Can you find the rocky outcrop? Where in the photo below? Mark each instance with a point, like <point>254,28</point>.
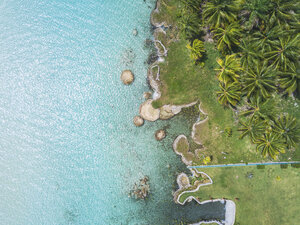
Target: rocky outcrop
<point>160,134</point>
<point>168,111</point>
<point>147,95</point>
<point>138,121</point>
<point>148,112</point>
<point>127,77</point>
<point>140,190</point>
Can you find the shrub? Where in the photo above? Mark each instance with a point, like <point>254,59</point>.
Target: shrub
<point>260,166</point>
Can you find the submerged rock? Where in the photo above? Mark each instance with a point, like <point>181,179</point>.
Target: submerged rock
<point>140,190</point>
<point>147,111</point>
<point>127,77</point>
<point>135,32</point>
<point>160,134</point>
<point>138,121</point>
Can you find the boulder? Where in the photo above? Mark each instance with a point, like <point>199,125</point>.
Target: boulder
<point>147,111</point>
<point>138,121</point>
<point>127,77</point>
<point>147,95</point>
<point>160,134</point>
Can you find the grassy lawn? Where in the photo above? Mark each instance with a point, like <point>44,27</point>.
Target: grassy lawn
<point>270,197</point>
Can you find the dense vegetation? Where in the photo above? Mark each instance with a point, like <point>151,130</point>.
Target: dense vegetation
<point>259,45</point>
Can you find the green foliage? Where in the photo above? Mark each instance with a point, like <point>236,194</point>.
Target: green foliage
<point>228,131</point>
<point>270,144</point>
<point>229,69</point>
<point>228,37</point>
<point>289,80</point>
<point>284,166</point>
<point>218,13</point>
<point>285,52</point>
<point>229,94</point>
<point>286,126</point>
<point>259,80</point>
<point>260,167</point>
<point>253,128</point>
<point>196,49</point>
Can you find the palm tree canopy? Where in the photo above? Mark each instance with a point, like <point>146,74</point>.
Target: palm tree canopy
<point>253,128</point>
<point>228,36</point>
<point>285,52</point>
<point>289,80</point>
<point>249,54</point>
<point>218,13</point>
<point>229,94</point>
<point>229,69</point>
<point>254,12</point>
<point>196,49</point>
<point>270,144</point>
<point>259,81</point>
<point>287,127</point>
<point>282,11</point>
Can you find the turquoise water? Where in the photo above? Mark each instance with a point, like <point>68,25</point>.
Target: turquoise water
<point>69,152</point>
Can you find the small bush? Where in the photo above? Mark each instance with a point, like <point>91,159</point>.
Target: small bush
<point>260,166</point>
<point>284,166</point>
<point>295,165</point>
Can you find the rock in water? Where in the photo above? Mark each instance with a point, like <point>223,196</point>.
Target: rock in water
<point>135,32</point>
<point>141,190</point>
<point>138,121</point>
<point>147,111</point>
<point>127,77</point>
<point>160,134</point>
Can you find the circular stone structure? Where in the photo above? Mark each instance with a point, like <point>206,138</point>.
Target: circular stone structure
<point>138,121</point>
<point>147,111</point>
<point>160,134</point>
<point>127,77</point>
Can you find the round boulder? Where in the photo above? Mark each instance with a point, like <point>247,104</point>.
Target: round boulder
<point>138,121</point>
<point>127,77</point>
<point>148,112</point>
<point>160,134</point>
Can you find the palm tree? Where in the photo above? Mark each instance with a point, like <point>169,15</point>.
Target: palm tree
<point>252,127</point>
<point>229,94</point>
<point>270,144</point>
<point>284,52</point>
<point>264,40</point>
<point>259,81</point>
<point>228,37</point>
<point>249,54</point>
<point>282,12</point>
<point>196,49</point>
<point>289,80</point>
<point>188,24</point>
<point>286,126</point>
<point>229,69</point>
<point>254,12</point>
<point>192,5</point>
<point>218,13</point>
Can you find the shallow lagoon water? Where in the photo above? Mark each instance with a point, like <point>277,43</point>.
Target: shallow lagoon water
<point>69,152</point>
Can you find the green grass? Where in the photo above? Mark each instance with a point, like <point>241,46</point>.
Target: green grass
<point>270,197</point>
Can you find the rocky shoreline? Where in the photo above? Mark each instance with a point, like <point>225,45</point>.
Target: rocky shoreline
<point>168,111</point>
